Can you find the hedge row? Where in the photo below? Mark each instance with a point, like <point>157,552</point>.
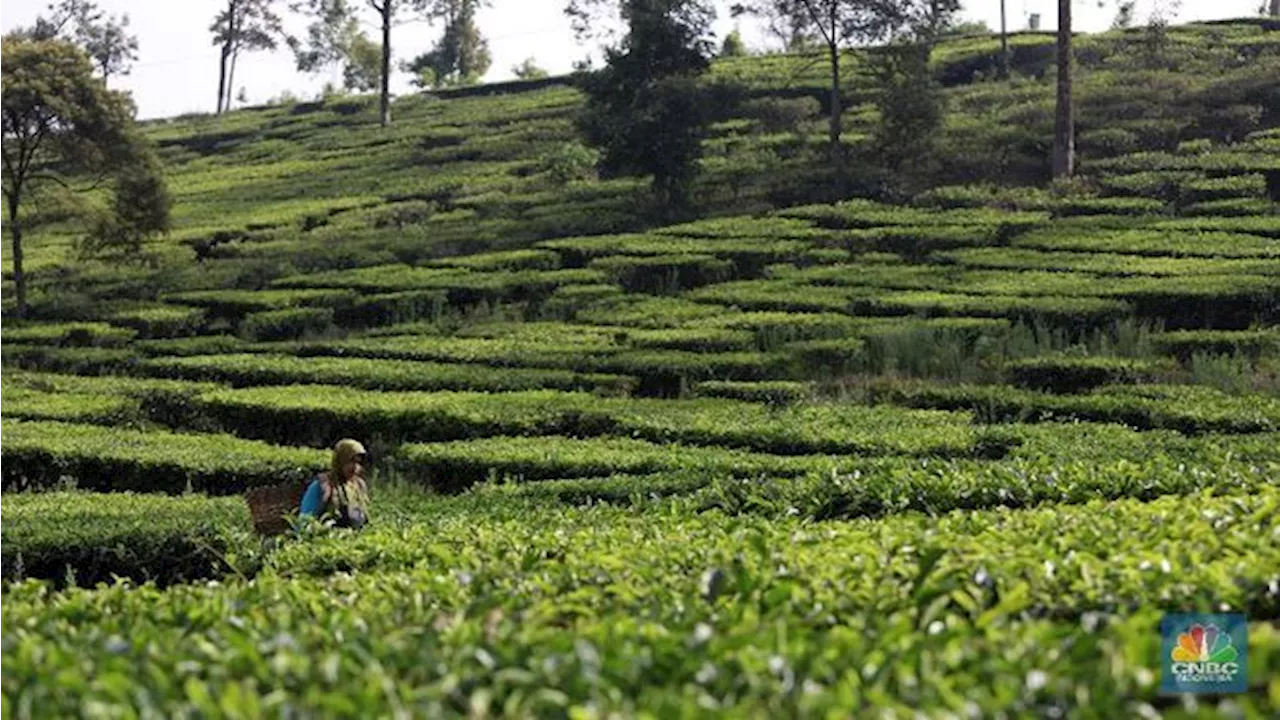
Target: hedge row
<point>1186,408</point>
<point>1103,263</point>
<point>91,538</point>
<point>74,334</point>
<point>266,369</point>
<point>1075,374</point>
<point>565,611</point>
<point>1254,344</point>
<point>1171,238</point>
<point>43,454</point>
<point>315,415</point>
<point>454,466</point>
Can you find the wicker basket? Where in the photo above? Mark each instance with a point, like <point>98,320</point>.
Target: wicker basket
<point>269,506</point>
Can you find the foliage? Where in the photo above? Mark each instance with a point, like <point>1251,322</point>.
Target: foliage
<point>461,56</point>
<point>528,70</point>
<point>645,109</point>
<point>59,120</point>
<point>105,38</point>
<point>41,454</point>
<point>911,108</point>
<point>787,491</point>
<point>570,161</point>
<point>244,26</point>
<point>90,538</point>
<point>733,46</point>
<point>335,37</point>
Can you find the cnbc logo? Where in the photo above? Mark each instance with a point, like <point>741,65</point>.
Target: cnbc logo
<point>1204,653</point>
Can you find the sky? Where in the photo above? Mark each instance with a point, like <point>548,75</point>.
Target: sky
<point>177,67</point>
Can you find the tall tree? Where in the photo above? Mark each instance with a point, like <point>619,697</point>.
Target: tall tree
<point>644,109</point>
<point>335,24</point>
<point>242,26</point>
<point>62,125</point>
<point>1275,8</point>
<point>461,57</point>
<point>334,37</point>
<point>104,37</point>
<point>733,46</point>
<point>1064,141</point>
<point>837,24</point>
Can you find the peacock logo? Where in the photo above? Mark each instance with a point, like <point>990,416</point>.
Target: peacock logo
<point>1204,644</point>
<point>1205,653</point>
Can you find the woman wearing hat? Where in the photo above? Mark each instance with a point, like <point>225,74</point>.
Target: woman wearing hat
<point>341,493</point>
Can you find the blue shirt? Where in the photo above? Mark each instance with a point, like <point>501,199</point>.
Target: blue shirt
<point>313,499</point>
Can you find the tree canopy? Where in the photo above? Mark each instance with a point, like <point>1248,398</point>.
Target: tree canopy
<point>242,26</point>
<point>62,126</point>
<point>105,38</point>
<point>645,110</point>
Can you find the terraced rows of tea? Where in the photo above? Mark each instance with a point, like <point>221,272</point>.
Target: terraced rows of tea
<point>953,457</point>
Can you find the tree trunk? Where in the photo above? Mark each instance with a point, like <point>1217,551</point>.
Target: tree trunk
<point>833,129</point>
<point>1004,44</point>
<point>231,79</point>
<point>15,234</point>
<point>1064,143</point>
<point>385,102</point>
<point>1275,8</point>
<point>222,79</point>
<point>226,53</point>
<point>837,153</point>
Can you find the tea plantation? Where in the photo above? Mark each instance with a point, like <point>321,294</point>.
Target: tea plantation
<point>950,452</point>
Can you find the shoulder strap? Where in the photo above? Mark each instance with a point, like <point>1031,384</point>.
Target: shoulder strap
<point>326,487</point>
<point>342,498</point>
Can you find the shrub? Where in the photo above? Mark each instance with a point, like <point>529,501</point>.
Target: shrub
<point>44,454</point>
<point>94,538</point>
<point>287,323</point>
<point>569,162</point>
<point>1075,374</point>
<point>393,308</point>
<point>779,115</point>
<point>663,274</point>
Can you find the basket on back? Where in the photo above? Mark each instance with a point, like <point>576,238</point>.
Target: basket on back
<point>269,506</point>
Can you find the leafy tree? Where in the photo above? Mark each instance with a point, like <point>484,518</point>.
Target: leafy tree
<point>139,208</point>
<point>243,26</point>
<point>62,125</point>
<point>733,46</point>
<point>568,162</point>
<point>363,65</point>
<point>105,38</point>
<point>834,25</point>
<point>1124,15</point>
<point>461,56</point>
<point>334,36</point>
<point>911,108</point>
<point>645,110</point>
<point>528,70</point>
